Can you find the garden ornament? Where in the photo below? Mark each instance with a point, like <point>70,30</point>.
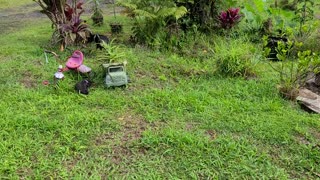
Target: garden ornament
<point>115,74</point>
<point>98,39</point>
<point>75,62</point>
<point>82,86</point>
<point>59,75</point>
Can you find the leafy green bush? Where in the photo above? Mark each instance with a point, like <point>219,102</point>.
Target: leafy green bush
<point>155,22</point>
<point>255,13</point>
<point>304,13</point>
<point>201,13</point>
<point>294,70</point>
<point>110,53</point>
<point>235,57</point>
<point>195,45</point>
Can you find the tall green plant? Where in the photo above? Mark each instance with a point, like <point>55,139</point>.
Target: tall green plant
<point>110,53</point>
<point>255,13</point>
<point>293,71</point>
<point>202,13</point>
<point>235,57</point>
<point>65,17</point>
<point>152,19</point>
<point>304,13</point>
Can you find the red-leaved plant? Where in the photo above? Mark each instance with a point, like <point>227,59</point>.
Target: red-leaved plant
<point>74,30</point>
<point>65,17</point>
<point>229,18</point>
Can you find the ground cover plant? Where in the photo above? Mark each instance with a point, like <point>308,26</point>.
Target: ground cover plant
<point>179,118</point>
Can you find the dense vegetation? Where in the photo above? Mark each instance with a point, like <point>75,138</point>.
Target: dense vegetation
<point>204,101</point>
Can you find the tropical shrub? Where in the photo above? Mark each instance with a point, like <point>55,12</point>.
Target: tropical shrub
<point>286,4</point>
<point>294,70</point>
<point>304,13</point>
<point>255,16</point>
<point>65,17</point>
<point>155,22</point>
<point>201,13</point>
<point>229,18</point>
<point>110,53</point>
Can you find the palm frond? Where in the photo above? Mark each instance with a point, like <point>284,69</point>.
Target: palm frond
<point>128,5</point>
<point>176,12</point>
<point>140,12</point>
<point>180,11</point>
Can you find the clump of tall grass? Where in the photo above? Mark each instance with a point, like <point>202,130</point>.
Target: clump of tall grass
<point>235,57</point>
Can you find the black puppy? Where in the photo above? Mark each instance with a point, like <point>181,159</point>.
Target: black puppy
<point>83,86</point>
<point>98,39</point>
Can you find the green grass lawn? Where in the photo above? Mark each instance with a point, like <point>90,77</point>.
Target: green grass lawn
<point>177,119</point>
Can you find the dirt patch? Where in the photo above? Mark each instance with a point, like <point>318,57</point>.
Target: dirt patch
<point>315,133</point>
<point>132,128</point>
<point>27,80</point>
<point>70,164</point>
<point>212,134</point>
<point>189,126</point>
<point>24,172</point>
<point>121,143</point>
<point>301,139</point>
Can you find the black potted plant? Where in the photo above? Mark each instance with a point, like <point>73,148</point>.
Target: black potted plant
<point>97,16</point>
<point>115,26</point>
<point>272,44</point>
<point>271,39</point>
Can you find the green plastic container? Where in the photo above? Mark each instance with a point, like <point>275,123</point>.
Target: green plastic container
<point>115,74</point>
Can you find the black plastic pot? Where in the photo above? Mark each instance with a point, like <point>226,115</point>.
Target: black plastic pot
<point>273,44</point>
<point>97,21</point>
<point>97,18</point>
<point>116,28</point>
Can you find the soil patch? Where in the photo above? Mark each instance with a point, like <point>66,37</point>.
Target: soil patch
<point>121,143</point>
<point>301,139</point>
<point>132,128</point>
<point>315,133</point>
<point>212,134</point>
<point>27,80</point>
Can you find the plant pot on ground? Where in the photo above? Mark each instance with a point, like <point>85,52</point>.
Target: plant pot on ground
<point>97,16</point>
<point>272,44</point>
<point>116,28</point>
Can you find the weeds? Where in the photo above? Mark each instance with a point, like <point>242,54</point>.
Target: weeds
<point>235,57</point>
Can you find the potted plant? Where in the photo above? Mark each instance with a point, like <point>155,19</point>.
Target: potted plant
<point>272,44</point>
<point>97,16</point>
<point>115,26</point>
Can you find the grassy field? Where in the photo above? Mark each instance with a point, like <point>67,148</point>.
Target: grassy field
<point>177,119</point>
